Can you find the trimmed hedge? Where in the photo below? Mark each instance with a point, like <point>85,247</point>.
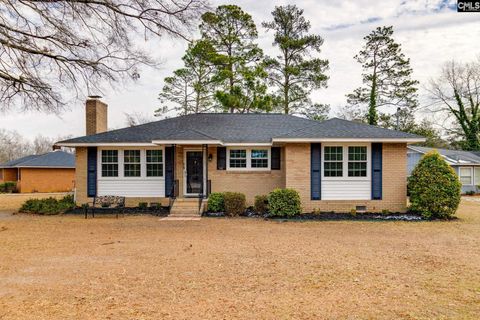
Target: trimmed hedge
<point>284,202</point>
<point>216,202</point>
<point>235,203</point>
<point>261,204</point>
<point>434,188</point>
<point>48,206</point>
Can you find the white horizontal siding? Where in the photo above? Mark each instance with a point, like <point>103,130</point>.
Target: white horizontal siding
<point>131,187</point>
<point>346,189</point>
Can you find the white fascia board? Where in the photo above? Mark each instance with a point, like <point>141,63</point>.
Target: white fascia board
<point>186,142</point>
<point>393,140</point>
<point>248,144</point>
<point>106,144</point>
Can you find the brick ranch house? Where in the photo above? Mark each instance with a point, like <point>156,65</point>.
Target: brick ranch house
<point>335,165</point>
<point>50,172</point>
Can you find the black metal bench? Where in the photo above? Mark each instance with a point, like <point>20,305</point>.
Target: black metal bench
<point>106,202</point>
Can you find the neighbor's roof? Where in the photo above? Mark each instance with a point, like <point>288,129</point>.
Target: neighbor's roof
<point>55,159</point>
<point>453,157</point>
<point>233,128</point>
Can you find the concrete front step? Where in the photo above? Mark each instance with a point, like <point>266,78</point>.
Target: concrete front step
<point>187,207</point>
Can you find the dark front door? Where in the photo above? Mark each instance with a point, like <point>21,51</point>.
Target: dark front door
<point>194,172</point>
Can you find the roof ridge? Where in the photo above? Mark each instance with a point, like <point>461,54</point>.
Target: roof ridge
<point>203,133</point>
<point>191,129</point>
<point>37,156</point>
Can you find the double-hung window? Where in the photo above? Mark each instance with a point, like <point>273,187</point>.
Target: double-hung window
<point>357,161</point>
<point>109,163</point>
<point>154,163</point>
<point>131,163</point>
<point>333,161</point>
<point>249,159</point>
<point>259,158</point>
<point>477,176</point>
<point>465,175</point>
<point>238,158</point>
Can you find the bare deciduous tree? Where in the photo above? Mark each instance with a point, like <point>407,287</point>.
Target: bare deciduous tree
<point>456,95</point>
<point>51,47</point>
<point>137,118</point>
<point>13,146</point>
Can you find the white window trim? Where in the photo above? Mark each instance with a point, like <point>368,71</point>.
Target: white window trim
<point>121,169</point>
<point>345,161</point>
<point>141,163</point>
<point>460,175</point>
<point>99,166</point>
<point>249,158</point>
<point>144,166</point>
<point>475,181</point>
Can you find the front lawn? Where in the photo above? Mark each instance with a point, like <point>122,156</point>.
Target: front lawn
<point>138,267</point>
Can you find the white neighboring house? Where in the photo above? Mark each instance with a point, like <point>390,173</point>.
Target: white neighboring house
<point>465,163</point>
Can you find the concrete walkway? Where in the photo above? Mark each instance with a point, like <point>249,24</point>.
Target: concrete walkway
<point>178,218</point>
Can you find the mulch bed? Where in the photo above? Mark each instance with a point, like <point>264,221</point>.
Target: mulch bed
<point>329,216</point>
<point>160,211</point>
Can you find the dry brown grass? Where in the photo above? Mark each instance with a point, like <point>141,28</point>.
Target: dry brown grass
<point>142,268</point>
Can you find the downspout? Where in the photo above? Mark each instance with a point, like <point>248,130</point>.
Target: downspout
<point>174,168</point>
<point>205,191</point>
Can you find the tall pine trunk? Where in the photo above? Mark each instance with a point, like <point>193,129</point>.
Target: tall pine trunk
<point>372,107</point>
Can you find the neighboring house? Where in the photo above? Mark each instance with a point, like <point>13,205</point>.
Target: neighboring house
<point>50,172</point>
<point>465,163</point>
<point>335,165</point>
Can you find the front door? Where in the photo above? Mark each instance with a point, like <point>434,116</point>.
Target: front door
<point>194,173</point>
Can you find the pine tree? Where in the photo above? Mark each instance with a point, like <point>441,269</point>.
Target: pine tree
<point>240,75</point>
<point>294,71</point>
<point>190,88</point>
<point>386,77</point>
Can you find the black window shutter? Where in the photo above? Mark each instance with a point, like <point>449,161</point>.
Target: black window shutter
<point>316,171</point>
<point>275,154</point>
<point>169,167</point>
<point>92,171</point>
<point>221,158</point>
<point>376,171</point>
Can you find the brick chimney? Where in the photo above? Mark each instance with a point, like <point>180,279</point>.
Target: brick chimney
<point>96,115</point>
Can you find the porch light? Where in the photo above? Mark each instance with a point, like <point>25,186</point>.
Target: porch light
<point>210,157</point>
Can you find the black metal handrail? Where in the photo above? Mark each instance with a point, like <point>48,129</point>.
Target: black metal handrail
<point>173,194</point>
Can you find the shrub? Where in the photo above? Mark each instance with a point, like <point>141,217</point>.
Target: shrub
<point>216,202</point>
<point>353,212</point>
<point>8,187</point>
<point>234,203</point>
<point>261,204</point>
<point>470,193</point>
<point>142,205</point>
<point>48,206</point>
<point>284,202</point>
<point>434,188</point>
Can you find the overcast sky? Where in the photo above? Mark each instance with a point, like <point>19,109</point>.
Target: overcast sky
<point>430,32</point>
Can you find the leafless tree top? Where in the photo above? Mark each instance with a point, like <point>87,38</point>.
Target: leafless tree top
<point>48,48</point>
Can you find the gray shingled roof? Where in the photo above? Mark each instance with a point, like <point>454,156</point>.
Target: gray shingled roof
<point>55,159</point>
<point>455,157</point>
<point>240,128</point>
